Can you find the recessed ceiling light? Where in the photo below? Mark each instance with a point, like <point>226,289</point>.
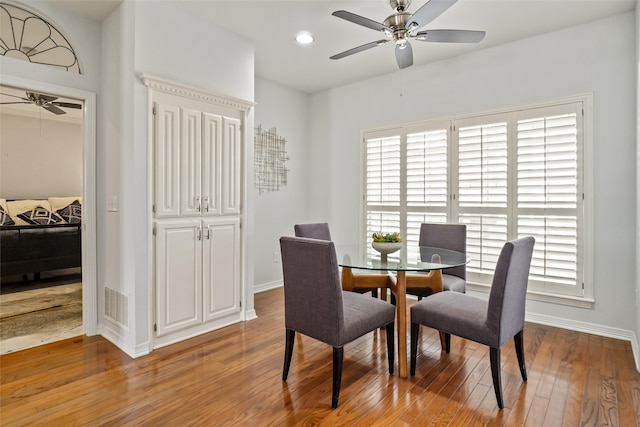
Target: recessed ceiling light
<point>304,38</point>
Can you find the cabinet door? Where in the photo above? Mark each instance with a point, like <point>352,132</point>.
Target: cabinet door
<point>178,266</point>
<point>221,277</point>
<point>211,163</point>
<point>167,160</point>
<point>191,162</point>
<point>231,166</point>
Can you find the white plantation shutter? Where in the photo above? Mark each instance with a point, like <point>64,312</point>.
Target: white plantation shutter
<point>482,191</point>
<point>382,163</point>
<point>427,169</point>
<point>427,184</point>
<point>383,171</point>
<point>548,206</point>
<point>504,175</point>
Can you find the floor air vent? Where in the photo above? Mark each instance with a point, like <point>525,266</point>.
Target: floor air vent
<point>116,306</point>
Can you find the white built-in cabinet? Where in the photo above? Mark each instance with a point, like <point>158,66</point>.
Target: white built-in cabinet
<point>196,211</point>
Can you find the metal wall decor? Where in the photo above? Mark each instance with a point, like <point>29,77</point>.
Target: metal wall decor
<point>269,171</point>
<point>28,37</point>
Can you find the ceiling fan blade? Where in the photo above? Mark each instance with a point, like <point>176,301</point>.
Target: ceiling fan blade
<point>7,103</point>
<point>44,98</point>
<point>404,56</point>
<point>53,109</point>
<point>15,96</point>
<point>450,36</point>
<point>358,49</point>
<point>360,20</point>
<point>67,105</point>
<point>428,12</point>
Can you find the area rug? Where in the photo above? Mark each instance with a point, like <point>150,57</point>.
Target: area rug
<point>39,316</point>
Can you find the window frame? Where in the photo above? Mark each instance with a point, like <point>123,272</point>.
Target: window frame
<point>583,290</point>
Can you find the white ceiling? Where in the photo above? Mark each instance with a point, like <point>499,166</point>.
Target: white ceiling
<point>270,26</point>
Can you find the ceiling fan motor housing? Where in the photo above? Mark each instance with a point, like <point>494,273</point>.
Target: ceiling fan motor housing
<point>397,23</point>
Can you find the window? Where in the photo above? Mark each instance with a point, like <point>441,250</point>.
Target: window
<point>505,175</point>
<point>28,37</point>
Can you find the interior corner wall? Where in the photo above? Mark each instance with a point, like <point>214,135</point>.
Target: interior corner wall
<point>569,62</point>
<point>277,211</point>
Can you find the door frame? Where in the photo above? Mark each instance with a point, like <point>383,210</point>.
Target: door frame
<point>89,226</point>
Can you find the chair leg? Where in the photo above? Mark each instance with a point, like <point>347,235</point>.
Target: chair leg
<point>374,293</point>
<point>494,355</point>
<point>288,351</point>
<point>338,353</point>
<point>447,342</point>
<point>520,353</point>
<point>415,331</point>
<point>390,333</point>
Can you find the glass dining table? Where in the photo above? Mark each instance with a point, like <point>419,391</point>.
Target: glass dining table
<point>389,271</point>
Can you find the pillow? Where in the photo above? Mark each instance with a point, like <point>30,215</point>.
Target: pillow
<point>33,212</point>
<point>5,219</point>
<point>68,208</point>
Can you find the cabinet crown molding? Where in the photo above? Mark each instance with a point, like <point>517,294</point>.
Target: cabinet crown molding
<point>180,89</point>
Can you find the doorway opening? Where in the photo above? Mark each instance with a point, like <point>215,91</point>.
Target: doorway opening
<point>47,151</point>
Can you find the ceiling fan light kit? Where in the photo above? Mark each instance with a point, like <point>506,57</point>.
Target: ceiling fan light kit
<point>403,26</point>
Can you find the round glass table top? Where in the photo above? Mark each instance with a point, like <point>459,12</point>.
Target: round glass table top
<point>425,259</point>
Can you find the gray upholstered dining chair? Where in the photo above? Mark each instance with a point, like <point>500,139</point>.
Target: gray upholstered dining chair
<point>320,230</point>
<point>315,304</point>
<point>491,322</point>
<point>446,236</point>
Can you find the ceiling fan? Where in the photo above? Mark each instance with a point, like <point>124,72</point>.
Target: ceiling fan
<point>47,102</point>
<point>403,26</point>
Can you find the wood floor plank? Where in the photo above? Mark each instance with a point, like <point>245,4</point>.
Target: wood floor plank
<point>233,377</point>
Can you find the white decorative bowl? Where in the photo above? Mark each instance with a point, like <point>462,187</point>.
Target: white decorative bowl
<point>386,247</point>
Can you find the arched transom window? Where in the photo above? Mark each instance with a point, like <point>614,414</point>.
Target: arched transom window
<point>26,36</point>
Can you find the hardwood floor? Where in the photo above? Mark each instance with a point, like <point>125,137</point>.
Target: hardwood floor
<point>232,377</point>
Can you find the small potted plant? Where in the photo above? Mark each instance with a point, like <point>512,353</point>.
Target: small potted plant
<point>386,243</point>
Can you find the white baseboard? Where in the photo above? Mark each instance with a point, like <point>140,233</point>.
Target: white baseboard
<point>112,335</point>
<point>250,315</point>
<point>267,286</point>
<point>589,328</point>
<point>636,351</point>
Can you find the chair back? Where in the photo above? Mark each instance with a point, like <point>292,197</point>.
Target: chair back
<point>446,236</point>
<point>508,294</point>
<point>313,231</point>
<point>312,290</point>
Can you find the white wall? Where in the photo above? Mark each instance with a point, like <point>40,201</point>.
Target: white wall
<point>637,344</point>
<point>149,37</point>
<point>276,212</point>
<point>115,134</point>
<point>39,158</point>
<point>568,62</point>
